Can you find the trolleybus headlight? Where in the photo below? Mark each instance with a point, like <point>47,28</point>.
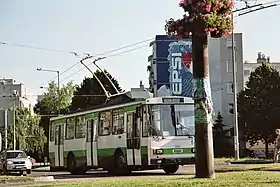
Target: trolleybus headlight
<point>157,151</point>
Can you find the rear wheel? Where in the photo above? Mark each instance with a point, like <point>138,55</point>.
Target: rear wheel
<point>171,169</point>
<point>72,166</point>
<point>120,164</point>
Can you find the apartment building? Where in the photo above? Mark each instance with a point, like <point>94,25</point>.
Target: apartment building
<point>12,95</point>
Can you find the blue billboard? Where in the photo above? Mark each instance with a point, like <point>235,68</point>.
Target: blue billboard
<point>173,60</point>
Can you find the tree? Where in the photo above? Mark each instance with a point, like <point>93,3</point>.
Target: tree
<point>48,106</point>
<point>90,93</point>
<point>222,147</point>
<point>259,106</point>
<point>30,136</point>
<point>218,128</point>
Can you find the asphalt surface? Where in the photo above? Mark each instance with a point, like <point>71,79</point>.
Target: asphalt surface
<point>66,176</point>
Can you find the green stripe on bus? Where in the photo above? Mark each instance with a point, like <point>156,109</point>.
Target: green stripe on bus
<point>109,151</point>
<point>130,108</point>
<point>171,151</point>
<point>91,116</point>
<point>59,121</point>
<point>77,153</point>
<point>144,150</point>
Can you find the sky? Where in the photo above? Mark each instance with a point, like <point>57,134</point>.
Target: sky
<point>98,26</point>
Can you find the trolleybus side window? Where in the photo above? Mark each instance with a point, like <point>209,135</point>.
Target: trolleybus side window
<point>52,131</point>
<point>89,130</point>
<point>129,125</point>
<point>145,123</point>
<point>105,123</point>
<point>118,121</point>
<point>80,127</point>
<point>70,128</point>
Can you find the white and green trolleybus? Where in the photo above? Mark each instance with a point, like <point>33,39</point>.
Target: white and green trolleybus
<point>152,133</point>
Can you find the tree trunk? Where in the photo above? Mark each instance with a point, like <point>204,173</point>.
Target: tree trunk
<point>203,124</point>
<point>266,149</point>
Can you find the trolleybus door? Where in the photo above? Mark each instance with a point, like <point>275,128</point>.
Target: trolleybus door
<point>59,142</point>
<point>92,142</point>
<point>133,140</point>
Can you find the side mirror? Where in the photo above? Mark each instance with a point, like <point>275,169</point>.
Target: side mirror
<point>28,157</point>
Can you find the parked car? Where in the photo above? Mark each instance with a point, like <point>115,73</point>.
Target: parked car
<point>258,154</point>
<point>15,161</point>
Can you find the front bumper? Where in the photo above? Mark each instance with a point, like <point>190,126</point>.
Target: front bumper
<point>18,167</point>
<point>171,161</point>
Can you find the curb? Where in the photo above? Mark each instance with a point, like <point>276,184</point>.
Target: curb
<point>252,162</point>
<point>44,179</point>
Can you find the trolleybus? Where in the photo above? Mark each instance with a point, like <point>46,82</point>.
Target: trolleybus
<point>152,133</point>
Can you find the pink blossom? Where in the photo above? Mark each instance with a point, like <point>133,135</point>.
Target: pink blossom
<point>214,9</point>
<point>182,2</point>
<point>221,5</point>
<point>207,15</point>
<point>216,2</point>
<point>208,8</point>
<point>206,30</point>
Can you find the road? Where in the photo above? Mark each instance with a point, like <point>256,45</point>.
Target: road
<point>66,176</point>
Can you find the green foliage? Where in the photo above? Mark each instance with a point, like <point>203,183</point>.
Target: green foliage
<point>48,106</point>
<point>218,130</point>
<point>29,135</point>
<point>222,147</point>
<point>90,93</point>
<point>259,105</point>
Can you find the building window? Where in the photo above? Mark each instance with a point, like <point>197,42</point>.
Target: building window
<point>229,67</point>
<point>70,128</point>
<point>247,72</point>
<point>229,42</point>
<point>118,121</point>
<point>230,88</point>
<point>104,124</point>
<point>230,108</point>
<point>80,127</point>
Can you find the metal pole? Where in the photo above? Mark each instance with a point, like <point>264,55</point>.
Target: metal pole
<point>58,94</point>
<point>235,118</point>
<point>6,129</point>
<point>94,62</point>
<point>14,123</point>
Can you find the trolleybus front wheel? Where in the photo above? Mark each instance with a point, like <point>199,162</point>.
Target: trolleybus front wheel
<point>170,169</point>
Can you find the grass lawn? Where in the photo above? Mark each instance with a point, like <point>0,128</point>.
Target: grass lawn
<point>227,160</point>
<point>12,179</point>
<point>251,167</point>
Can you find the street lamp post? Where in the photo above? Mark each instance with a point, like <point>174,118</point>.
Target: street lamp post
<point>58,87</point>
